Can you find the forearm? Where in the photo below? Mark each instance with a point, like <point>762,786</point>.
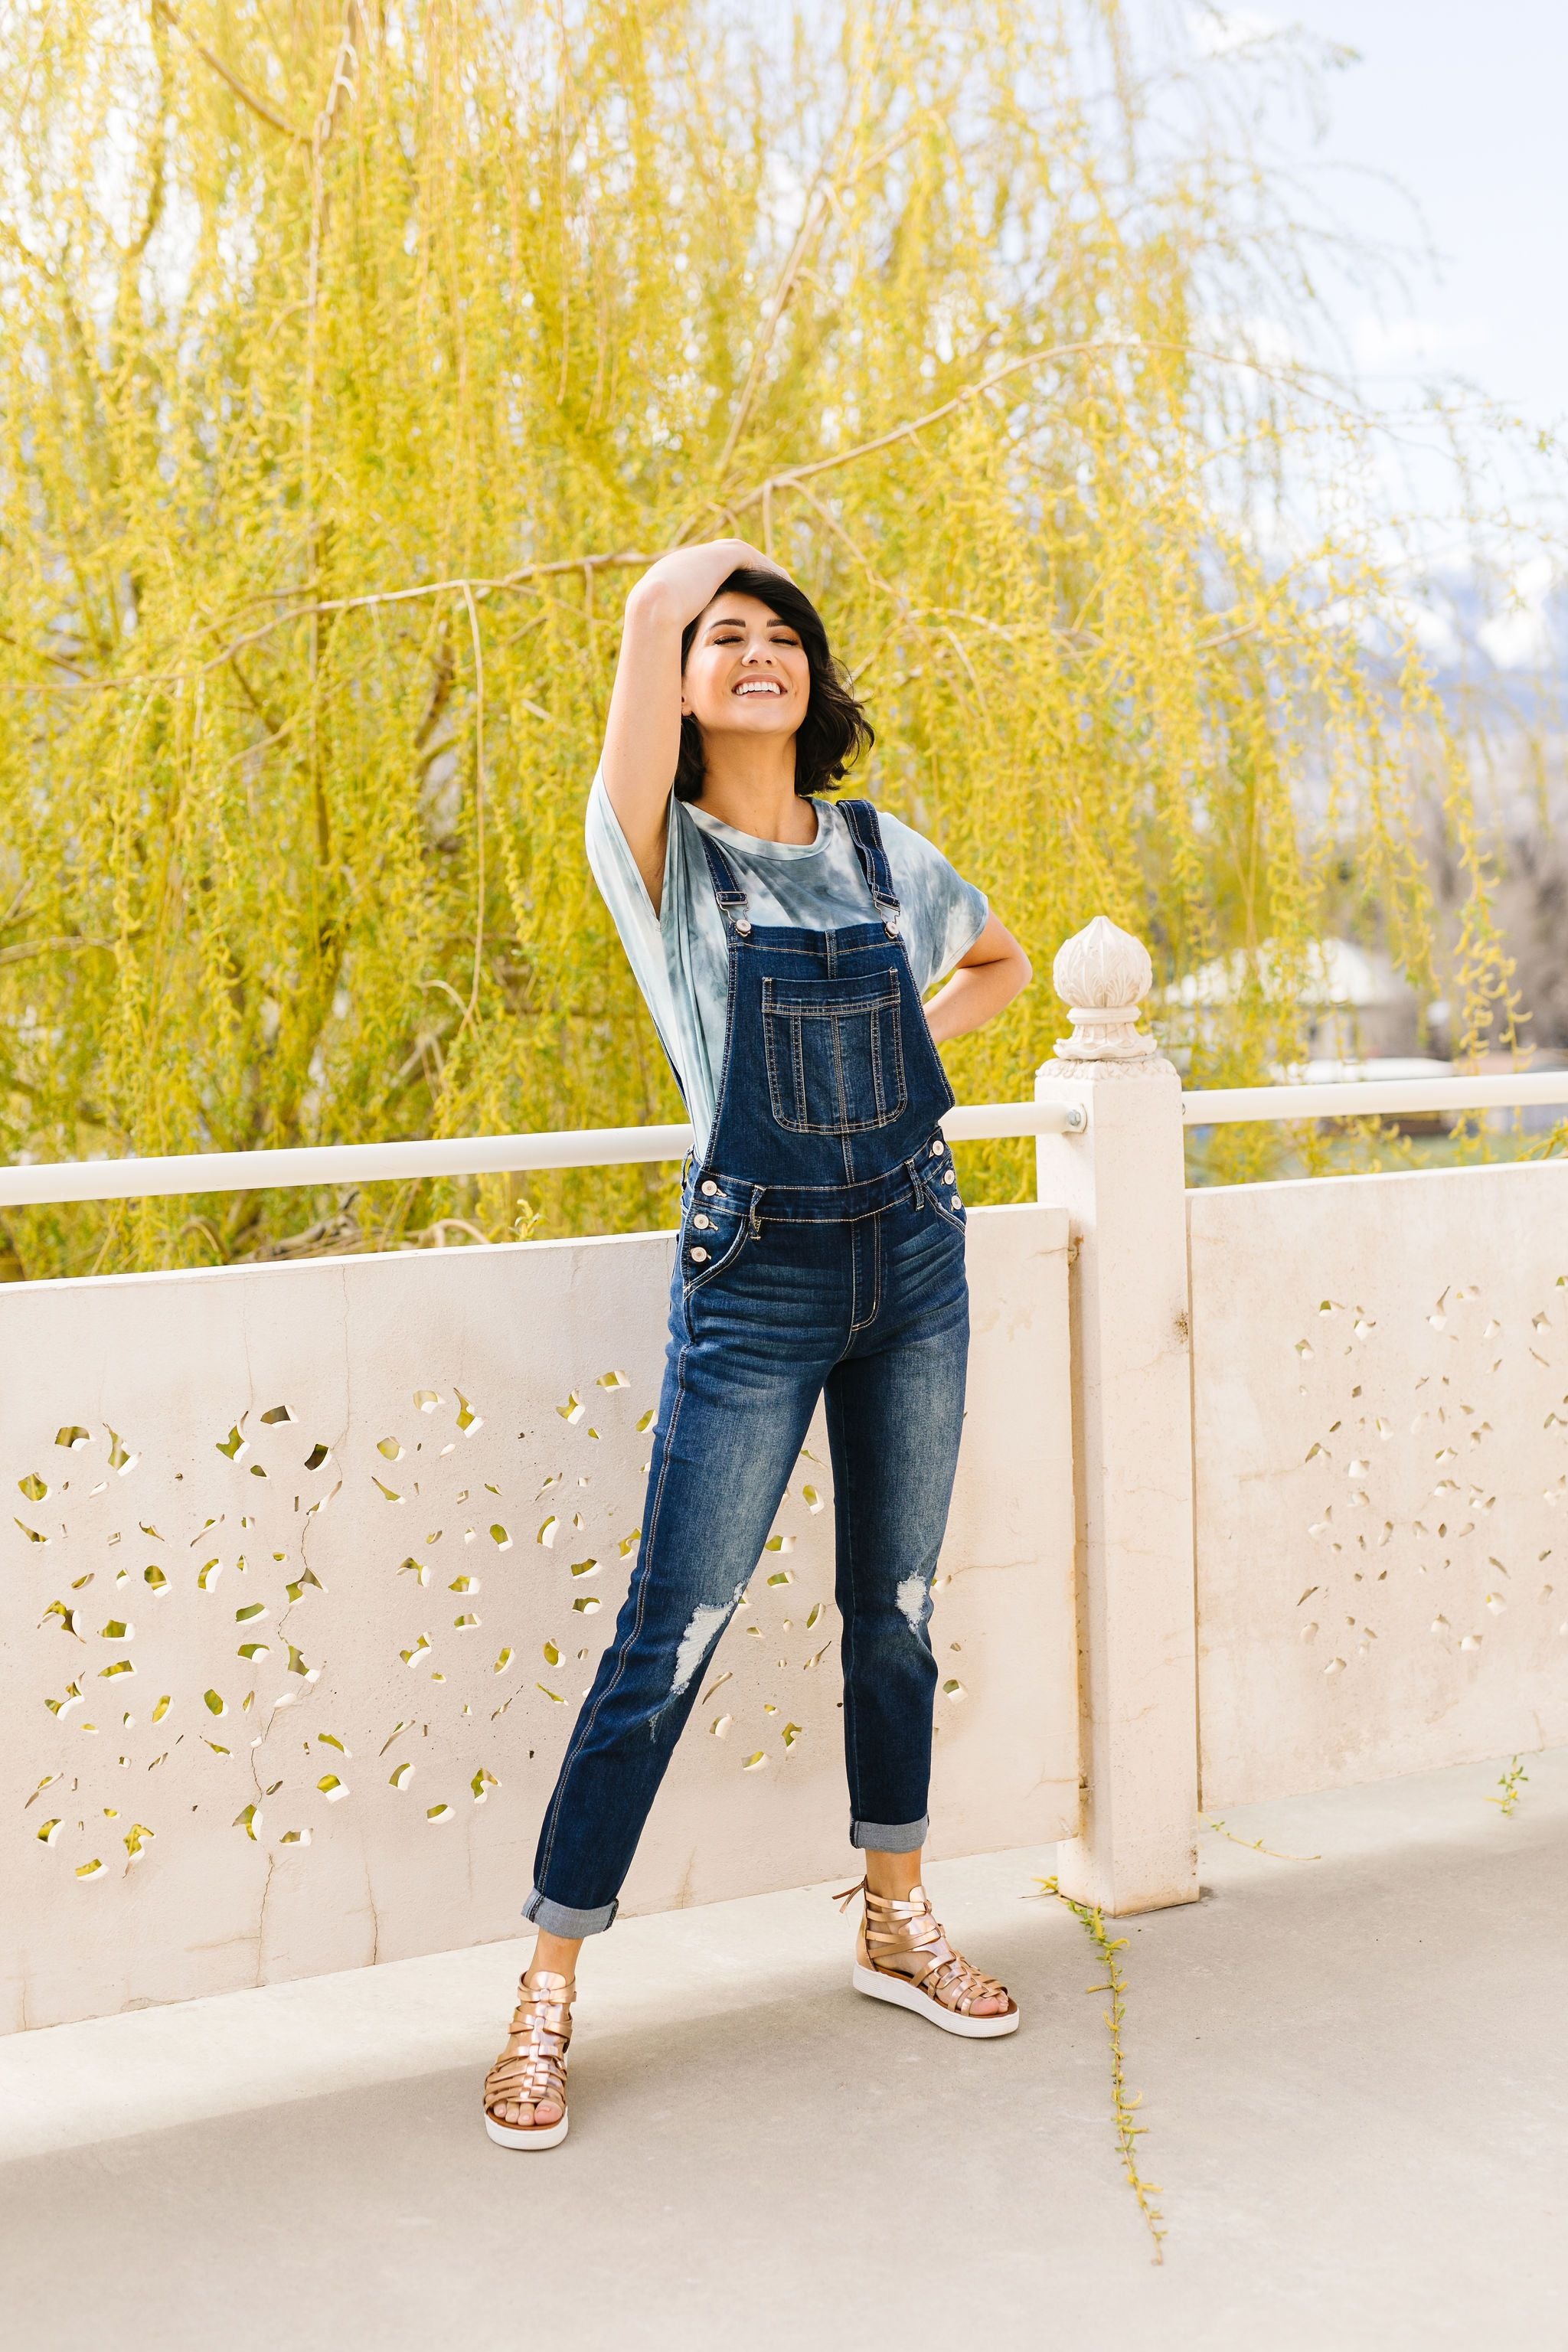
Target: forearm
<point>974,995</point>
<point>642,732</point>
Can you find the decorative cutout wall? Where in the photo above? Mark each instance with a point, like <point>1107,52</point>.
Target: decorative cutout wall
<point>1381,1409</point>
<point>309,1567</point>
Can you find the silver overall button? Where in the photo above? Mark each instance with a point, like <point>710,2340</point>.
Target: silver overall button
<point>743,927</point>
<point>948,1176</point>
<point>708,1187</point>
<point>703,1224</point>
<point>936,1151</point>
<point>701,1255</point>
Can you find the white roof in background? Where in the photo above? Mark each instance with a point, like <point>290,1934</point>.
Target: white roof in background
<point>1337,972</point>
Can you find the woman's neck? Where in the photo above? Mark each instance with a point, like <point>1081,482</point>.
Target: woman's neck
<point>757,795</point>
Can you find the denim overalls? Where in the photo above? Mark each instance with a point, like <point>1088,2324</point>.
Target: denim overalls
<point>821,1254</point>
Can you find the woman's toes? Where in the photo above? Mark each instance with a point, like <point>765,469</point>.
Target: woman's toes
<point>547,2112</point>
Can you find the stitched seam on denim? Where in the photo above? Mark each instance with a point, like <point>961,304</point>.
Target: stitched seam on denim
<point>775,1084</point>
<point>949,1217</point>
<point>843,1486</point>
<point>726,890</point>
<point>729,994</point>
<point>887,994</point>
<point>697,1281</point>
<point>585,1726</point>
<point>844,1010</point>
<point>876,867</point>
<point>773,943</point>
<point>843,1123</point>
<point>802,1124</point>
<point>875,1277</point>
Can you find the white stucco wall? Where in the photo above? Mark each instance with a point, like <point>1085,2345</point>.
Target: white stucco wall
<point>1381,1440</point>
<point>445,1389</point>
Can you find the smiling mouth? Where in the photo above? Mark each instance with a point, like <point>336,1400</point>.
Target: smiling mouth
<point>758,685</point>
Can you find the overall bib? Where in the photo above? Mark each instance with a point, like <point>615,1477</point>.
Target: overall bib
<point>821,1254</point>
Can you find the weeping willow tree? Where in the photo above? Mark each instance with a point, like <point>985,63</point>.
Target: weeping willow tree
<point>356,360</point>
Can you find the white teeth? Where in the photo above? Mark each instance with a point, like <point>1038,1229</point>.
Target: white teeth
<point>759,686</point>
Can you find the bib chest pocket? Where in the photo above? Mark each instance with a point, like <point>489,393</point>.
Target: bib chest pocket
<point>834,1054</point>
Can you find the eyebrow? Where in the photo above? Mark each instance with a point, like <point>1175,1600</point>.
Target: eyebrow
<point>734,621</point>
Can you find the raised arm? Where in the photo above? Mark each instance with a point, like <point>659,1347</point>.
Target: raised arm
<point>642,735</point>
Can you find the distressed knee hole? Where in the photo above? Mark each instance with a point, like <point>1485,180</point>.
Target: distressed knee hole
<point>708,1621</point>
<point>914,1598</point>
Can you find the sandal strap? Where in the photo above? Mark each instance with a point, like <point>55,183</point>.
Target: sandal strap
<point>904,1939</point>
<point>532,2066</point>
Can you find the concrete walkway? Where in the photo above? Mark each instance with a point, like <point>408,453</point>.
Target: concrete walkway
<point>1355,2083</point>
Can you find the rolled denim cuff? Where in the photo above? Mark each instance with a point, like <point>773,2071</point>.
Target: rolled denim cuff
<point>560,1919</point>
<point>891,1837</point>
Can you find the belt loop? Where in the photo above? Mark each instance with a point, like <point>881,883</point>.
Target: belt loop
<point>752,1219</point>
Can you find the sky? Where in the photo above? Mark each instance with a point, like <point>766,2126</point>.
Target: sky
<point>1461,101</point>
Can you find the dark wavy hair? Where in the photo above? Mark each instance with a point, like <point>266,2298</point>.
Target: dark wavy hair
<point>835,731</point>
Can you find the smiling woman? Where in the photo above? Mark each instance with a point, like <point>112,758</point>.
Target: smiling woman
<point>762,637</point>
<point>783,945</point>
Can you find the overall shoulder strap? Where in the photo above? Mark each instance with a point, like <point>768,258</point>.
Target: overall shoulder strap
<point>866,832</point>
<point>721,874</point>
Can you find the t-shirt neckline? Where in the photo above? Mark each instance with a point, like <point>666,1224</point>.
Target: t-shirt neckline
<point>751,845</point>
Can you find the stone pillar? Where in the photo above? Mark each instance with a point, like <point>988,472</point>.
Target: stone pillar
<point>1122,1184</point>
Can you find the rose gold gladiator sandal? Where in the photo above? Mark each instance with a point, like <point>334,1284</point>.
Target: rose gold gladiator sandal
<point>902,1955</point>
<point>532,2066</point>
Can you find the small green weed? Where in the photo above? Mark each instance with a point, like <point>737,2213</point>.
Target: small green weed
<point>1255,1845</point>
<point>1123,2106</point>
<point>1509,1782</point>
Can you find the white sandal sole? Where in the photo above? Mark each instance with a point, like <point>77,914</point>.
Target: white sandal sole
<point>902,1995</point>
<point>530,2136</point>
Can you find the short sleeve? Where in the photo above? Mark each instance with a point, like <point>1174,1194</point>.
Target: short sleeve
<point>642,933</point>
<point>943,914</point>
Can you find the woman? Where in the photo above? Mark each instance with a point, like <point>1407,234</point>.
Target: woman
<point>783,944</point>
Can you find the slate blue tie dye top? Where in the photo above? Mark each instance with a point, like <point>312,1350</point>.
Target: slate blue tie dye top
<point>679,956</point>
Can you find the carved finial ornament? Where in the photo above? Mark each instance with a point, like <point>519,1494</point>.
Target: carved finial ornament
<point>1104,974</point>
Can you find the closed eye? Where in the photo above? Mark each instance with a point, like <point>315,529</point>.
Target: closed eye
<point>737,636</point>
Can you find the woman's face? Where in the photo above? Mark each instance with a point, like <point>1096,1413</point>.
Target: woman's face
<point>747,673</point>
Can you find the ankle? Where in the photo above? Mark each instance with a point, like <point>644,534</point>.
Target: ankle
<point>893,1876</point>
<point>558,1954</point>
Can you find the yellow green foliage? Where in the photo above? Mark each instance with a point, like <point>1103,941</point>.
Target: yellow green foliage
<point>354,361</point>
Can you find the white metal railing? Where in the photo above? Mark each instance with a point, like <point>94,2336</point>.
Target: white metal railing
<point>1372,1098</point>
<point>469,1155</point>
<point>609,1147</point>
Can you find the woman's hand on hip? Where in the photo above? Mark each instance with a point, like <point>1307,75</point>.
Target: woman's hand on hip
<point>989,977</point>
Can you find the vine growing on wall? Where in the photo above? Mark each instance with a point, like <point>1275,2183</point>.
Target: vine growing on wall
<point>359,356</point>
